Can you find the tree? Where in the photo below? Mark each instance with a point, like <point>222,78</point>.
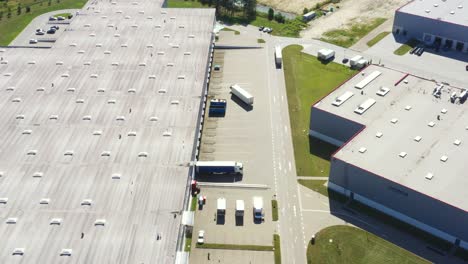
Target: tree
<point>305,11</point>
<point>28,9</point>
<point>250,9</point>
<point>317,6</point>
<point>271,14</point>
<point>279,18</point>
<point>49,2</point>
<point>1,15</point>
<point>18,9</point>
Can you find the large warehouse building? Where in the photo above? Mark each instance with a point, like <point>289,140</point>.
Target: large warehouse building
<point>97,134</point>
<point>443,23</point>
<point>403,150</point>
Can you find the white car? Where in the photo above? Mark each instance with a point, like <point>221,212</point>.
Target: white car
<point>266,29</point>
<point>201,237</point>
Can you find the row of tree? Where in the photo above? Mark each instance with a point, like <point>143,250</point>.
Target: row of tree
<point>233,7</point>
<point>278,16</point>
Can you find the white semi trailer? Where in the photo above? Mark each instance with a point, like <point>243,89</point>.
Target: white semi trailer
<point>245,96</point>
<point>278,56</point>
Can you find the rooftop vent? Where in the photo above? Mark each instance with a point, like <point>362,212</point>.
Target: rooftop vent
<point>7,74</point>
<point>65,75</point>
<point>191,36</point>
<point>16,100</point>
<point>120,118</point>
<point>44,201</point>
<point>160,53</point>
<point>134,26</point>
<point>107,52</point>
<point>162,91</point>
<point>3,200</point>
<point>175,102</point>
<point>94,75</point>
<point>114,63</point>
<point>187,53</point>
<point>417,138</point>
<point>68,153</point>
<point>87,117</point>
<point>31,62</point>
<point>152,76</point>
<point>55,221</point>
<point>394,120</point>
<point>127,17</point>
<point>27,132</point>
<point>11,220</point>
<point>111,101</point>
<point>86,202</point>
<point>80,101</point>
<point>116,176</point>
<point>81,51</point>
<point>100,222</point>
<point>91,35</point>
<point>153,118</point>
<point>402,154</point>
<point>443,111</point>
<point>167,134</point>
<point>362,150</point>
<point>66,252</point>
<point>53,117</point>
<point>444,158</point>
<point>167,36</point>
<point>457,142</point>
<point>38,174</point>
<point>59,63</point>
<point>428,11</point>
<point>436,5</point>
<point>142,64</point>
<point>131,134</point>
<point>32,152</point>
<point>149,17</point>
<point>143,154</point>
<point>106,153</point>
<point>97,132</point>
<point>87,63</point>
<point>379,134</point>
<point>429,176</point>
<point>170,64</point>
<point>20,117</point>
<point>431,124</point>
<point>101,90</point>
<point>181,77</point>
<point>73,44</point>
<point>40,89</point>
<point>452,12</point>
<point>150,46</point>
<point>18,251</point>
<point>10,88</point>
<point>460,7</point>
<point>98,45</point>
<point>124,45</point>
<point>117,35</point>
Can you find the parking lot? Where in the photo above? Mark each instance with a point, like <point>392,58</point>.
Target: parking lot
<point>230,138</point>
<point>42,22</point>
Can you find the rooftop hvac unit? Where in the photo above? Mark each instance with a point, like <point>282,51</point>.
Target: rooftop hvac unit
<point>153,118</point>
<point>18,251</point>
<point>117,35</point>
<point>3,200</point>
<point>120,118</point>
<point>10,88</point>
<point>107,52</point>
<point>87,202</point>
<point>66,252</point>
<point>68,153</point>
<point>59,63</point>
<point>55,221</point>
<point>111,101</point>
<point>100,222</point>
<point>87,117</point>
<point>99,45</point>
<point>152,76</point>
<point>97,132</point>
<point>53,117</point>
<point>87,63</point>
<point>115,63</point>
<point>38,174</point>
<point>44,201</point>
<point>124,45</point>
<point>101,90</point>
<point>80,101</point>
<point>32,152</point>
<point>27,132</point>
<point>143,154</point>
<point>16,100</point>
<point>21,117</point>
<point>11,220</point>
<point>105,154</point>
<point>40,89</point>
<point>116,176</point>
<point>149,17</point>
<point>131,134</point>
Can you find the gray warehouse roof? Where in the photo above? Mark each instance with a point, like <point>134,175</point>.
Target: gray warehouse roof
<point>404,140</point>
<point>452,11</point>
<point>97,134</point>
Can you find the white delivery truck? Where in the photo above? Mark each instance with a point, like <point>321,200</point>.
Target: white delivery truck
<point>278,56</point>
<point>354,60</point>
<point>258,208</point>
<point>221,207</point>
<point>242,94</point>
<point>239,208</point>
<point>326,54</point>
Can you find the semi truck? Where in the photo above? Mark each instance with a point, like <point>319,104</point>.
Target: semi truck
<point>242,94</point>
<point>278,56</point>
<point>258,208</point>
<point>218,167</point>
<point>239,208</point>
<point>221,207</point>
<point>354,60</point>
<point>217,107</point>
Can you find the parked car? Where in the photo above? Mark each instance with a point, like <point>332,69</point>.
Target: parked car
<point>267,30</point>
<point>345,60</point>
<point>55,27</point>
<point>60,18</point>
<point>39,29</point>
<point>261,28</point>
<point>201,237</point>
<point>33,41</point>
<point>40,33</point>
<point>52,18</point>
<point>51,31</point>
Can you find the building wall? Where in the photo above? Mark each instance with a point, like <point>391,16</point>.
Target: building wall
<point>420,210</point>
<point>417,26</point>
<point>331,128</point>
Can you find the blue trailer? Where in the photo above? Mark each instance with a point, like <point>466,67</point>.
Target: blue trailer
<point>217,107</point>
<point>218,167</point>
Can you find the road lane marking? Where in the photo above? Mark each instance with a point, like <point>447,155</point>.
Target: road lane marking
<point>294,209</point>
<point>290,166</point>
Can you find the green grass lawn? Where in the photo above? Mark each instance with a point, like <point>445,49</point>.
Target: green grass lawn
<point>352,33</point>
<point>260,40</point>
<point>403,49</point>
<point>188,244</point>
<point>317,186</point>
<point>235,247</point>
<point>185,4</point>
<point>308,80</point>
<point>377,38</point>
<point>65,15</point>
<point>193,203</point>
<point>274,210</point>
<point>11,27</point>
<point>291,28</point>
<point>353,245</point>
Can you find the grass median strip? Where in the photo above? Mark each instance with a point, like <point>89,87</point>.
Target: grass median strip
<point>277,246</point>
<point>377,38</point>
<point>307,81</point>
<point>260,40</point>
<point>274,210</point>
<point>235,247</point>
<point>230,29</point>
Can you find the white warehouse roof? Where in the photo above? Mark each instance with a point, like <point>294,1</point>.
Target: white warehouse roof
<point>452,11</point>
